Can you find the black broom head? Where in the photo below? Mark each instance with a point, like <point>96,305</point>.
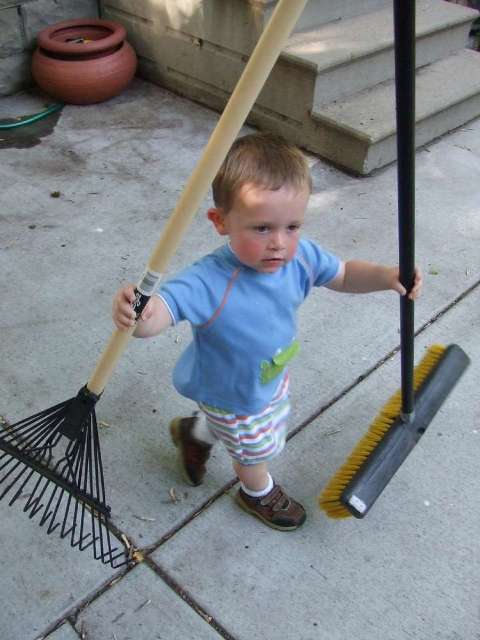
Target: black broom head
<point>63,486</point>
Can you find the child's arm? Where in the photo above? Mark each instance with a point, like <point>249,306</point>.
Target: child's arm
<point>154,319</point>
<point>358,276</point>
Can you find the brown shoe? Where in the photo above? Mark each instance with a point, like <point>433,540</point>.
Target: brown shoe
<point>275,509</point>
<point>193,453</point>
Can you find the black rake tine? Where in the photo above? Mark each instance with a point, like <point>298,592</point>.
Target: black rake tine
<point>81,546</point>
<point>69,492</point>
<point>81,542</point>
<point>107,556</point>
<point>95,477</point>
<point>51,514</point>
<point>74,474</point>
<point>121,554</point>
<point>82,505</point>
<point>73,529</point>
<point>47,413</point>
<point>67,467</point>
<point>34,509</point>
<point>112,548</point>
<point>93,443</point>
<point>35,457</point>
<point>64,531</point>
<point>31,508</point>
<point>83,536</point>
<point>84,483</point>
<point>74,501</point>
<point>49,444</point>
<point>4,465</point>
<point>72,453</point>
<point>89,477</point>
<point>88,484</point>
<point>16,429</point>
<point>99,467</point>
<point>19,491</point>
<point>33,500</point>
<point>34,447</point>
<point>39,430</point>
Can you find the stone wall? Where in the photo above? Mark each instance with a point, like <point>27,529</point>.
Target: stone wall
<point>20,21</point>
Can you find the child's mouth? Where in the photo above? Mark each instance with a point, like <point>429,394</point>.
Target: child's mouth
<point>272,262</point>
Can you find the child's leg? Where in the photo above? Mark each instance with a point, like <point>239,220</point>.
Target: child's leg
<point>254,477</point>
<point>260,496</point>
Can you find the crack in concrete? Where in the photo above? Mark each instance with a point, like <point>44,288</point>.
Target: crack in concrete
<point>186,597</point>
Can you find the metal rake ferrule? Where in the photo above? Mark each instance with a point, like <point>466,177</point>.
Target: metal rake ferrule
<point>65,486</point>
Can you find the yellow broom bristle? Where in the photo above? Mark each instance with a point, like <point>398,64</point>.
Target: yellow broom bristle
<point>329,499</point>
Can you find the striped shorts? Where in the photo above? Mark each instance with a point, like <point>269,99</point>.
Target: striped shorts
<point>252,439</point>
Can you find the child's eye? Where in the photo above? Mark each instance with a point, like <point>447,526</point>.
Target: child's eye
<point>262,229</point>
<point>293,227</point>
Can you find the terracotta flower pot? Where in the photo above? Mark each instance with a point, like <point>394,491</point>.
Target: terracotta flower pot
<point>83,61</point>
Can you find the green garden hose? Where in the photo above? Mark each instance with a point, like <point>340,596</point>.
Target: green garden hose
<point>33,118</point>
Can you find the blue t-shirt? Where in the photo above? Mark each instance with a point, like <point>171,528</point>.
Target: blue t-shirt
<point>243,324</point>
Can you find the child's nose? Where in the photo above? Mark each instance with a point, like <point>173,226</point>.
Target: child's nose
<point>277,240</point>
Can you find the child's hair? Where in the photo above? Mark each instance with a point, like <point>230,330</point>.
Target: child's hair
<point>263,159</point>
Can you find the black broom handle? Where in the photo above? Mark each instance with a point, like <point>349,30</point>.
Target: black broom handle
<point>404,22</point>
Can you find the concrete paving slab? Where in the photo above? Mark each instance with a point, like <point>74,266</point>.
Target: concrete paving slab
<point>119,168</point>
<point>42,578</point>
<point>410,569</point>
<point>142,607</point>
<point>65,632</point>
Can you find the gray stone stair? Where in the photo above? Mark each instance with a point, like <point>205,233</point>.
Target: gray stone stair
<point>318,12</point>
<point>332,89</point>
<point>447,96</point>
<point>350,55</point>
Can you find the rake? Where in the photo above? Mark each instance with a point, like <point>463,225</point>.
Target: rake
<point>53,459</point>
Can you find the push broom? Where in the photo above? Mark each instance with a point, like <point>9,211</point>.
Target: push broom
<point>402,421</point>
<point>52,461</point>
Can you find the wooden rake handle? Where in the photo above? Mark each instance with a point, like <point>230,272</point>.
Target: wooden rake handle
<point>251,82</point>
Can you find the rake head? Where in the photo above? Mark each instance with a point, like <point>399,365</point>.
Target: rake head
<point>63,486</point>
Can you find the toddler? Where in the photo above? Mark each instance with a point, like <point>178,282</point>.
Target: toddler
<point>241,301</point>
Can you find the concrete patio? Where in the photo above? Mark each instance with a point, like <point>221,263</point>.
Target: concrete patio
<point>409,570</point>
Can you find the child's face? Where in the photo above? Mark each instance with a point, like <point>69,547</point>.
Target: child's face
<point>264,226</point>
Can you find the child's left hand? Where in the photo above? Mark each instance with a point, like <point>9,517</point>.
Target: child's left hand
<point>415,291</point>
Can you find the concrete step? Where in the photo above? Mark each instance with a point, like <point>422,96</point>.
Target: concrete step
<point>350,55</point>
<point>234,25</point>
<point>319,12</point>
<point>199,48</point>
<point>359,133</point>
<point>155,25</point>
<point>317,66</point>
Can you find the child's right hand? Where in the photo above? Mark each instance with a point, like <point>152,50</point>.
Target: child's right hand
<point>123,314</point>
<point>154,319</point>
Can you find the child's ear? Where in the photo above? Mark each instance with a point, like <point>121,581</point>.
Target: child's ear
<point>217,216</point>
